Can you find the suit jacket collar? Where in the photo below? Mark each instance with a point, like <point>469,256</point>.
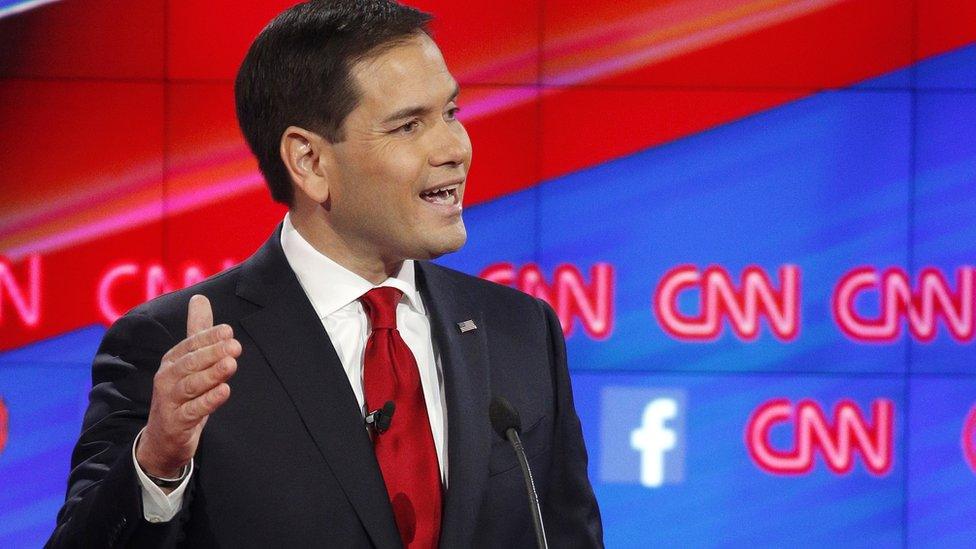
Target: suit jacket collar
<point>289,334</point>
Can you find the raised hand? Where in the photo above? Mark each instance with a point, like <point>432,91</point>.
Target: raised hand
<point>189,386</point>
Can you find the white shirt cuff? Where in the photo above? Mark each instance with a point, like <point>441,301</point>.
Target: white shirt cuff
<point>158,506</point>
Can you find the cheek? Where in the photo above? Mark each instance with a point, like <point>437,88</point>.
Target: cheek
<point>400,159</point>
<point>394,175</point>
<point>405,173</point>
<point>397,186</point>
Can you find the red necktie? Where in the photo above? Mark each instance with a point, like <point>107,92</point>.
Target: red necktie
<point>405,451</point>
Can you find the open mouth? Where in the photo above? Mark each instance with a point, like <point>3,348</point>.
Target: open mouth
<point>442,196</point>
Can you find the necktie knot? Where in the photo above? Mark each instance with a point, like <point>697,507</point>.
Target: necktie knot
<point>380,305</point>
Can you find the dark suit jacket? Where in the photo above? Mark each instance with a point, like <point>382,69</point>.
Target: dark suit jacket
<point>286,462</point>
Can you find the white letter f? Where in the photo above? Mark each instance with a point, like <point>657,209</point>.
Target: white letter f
<point>653,439</point>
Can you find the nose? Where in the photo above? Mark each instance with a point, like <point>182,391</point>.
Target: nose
<point>451,145</point>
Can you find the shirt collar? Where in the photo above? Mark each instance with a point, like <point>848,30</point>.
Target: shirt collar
<point>330,286</point>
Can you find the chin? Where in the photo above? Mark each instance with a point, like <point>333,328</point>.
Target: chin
<point>448,243</point>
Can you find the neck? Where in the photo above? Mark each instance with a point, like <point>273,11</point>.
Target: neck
<point>323,237</point>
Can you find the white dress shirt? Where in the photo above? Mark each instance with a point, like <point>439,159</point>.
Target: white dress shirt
<point>334,292</point>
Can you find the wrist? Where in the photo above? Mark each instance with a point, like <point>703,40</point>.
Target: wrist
<point>147,460</point>
<point>169,483</point>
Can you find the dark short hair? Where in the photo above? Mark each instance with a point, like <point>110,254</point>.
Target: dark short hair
<point>297,72</point>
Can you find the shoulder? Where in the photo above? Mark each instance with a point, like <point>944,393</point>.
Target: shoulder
<point>491,297</point>
<point>472,285</point>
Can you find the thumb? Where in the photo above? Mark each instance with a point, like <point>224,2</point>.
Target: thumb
<point>199,317</point>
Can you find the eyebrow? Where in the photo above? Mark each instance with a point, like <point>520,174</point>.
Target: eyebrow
<point>410,112</point>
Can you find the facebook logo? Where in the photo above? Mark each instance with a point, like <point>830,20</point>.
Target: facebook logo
<point>642,435</point>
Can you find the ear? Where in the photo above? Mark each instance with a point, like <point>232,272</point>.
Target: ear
<point>306,156</point>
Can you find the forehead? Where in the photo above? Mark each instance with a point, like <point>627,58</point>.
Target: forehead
<point>407,74</point>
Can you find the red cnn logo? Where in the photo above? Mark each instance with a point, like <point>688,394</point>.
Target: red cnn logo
<point>742,305</point>
<point>25,296</point>
<point>570,296</point>
<point>3,425</point>
<point>154,278</point>
<point>836,440</point>
<point>922,306</point>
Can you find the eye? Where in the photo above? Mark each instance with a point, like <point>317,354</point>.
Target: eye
<point>452,113</point>
<point>409,127</point>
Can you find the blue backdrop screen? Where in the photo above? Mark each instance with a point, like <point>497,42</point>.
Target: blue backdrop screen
<point>770,325</point>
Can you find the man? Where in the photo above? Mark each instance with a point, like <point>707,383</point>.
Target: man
<point>251,432</point>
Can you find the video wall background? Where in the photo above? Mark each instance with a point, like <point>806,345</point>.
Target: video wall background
<point>754,218</point>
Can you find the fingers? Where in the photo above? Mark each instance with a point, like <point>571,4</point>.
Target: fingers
<point>200,382</point>
<point>202,406</point>
<point>199,316</point>
<point>198,341</point>
<point>203,358</point>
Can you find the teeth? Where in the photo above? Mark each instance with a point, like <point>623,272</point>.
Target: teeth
<point>443,192</point>
<point>443,195</point>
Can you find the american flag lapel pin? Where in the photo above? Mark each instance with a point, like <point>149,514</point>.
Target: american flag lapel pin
<point>466,326</point>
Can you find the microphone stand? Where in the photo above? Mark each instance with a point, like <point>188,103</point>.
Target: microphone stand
<point>534,508</point>
<point>506,422</point>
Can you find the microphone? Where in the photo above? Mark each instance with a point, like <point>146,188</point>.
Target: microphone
<point>506,422</point>
<point>380,419</point>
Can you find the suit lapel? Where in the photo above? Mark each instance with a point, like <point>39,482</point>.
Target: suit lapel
<point>290,336</point>
<point>465,365</point>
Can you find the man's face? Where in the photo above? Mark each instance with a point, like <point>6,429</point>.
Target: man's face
<point>402,143</point>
